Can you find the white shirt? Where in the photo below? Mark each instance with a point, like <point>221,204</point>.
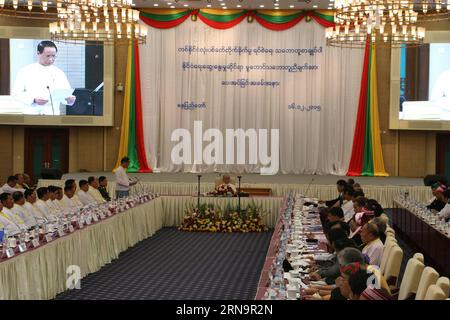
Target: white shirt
<point>85,197</point>
<point>25,215</point>
<point>10,227</point>
<point>6,188</point>
<point>445,212</point>
<point>349,211</point>
<point>15,218</point>
<point>122,182</point>
<point>53,207</point>
<point>32,82</point>
<point>43,206</point>
<point>96,195</point>
<point>71,202</point>
<point>36,212</point>
<point>375,251</point>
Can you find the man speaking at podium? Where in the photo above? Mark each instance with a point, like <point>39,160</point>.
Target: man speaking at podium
<point>41,86</point>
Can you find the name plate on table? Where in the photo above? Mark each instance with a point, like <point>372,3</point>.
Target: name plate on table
<point>71,229</point>
<point>48,237</point>
<point>10,253</point>
<point>22,247</point>
<point>12,242</point>
<point>95,218</point>
<point>35,243</point>
<point>61,233</point>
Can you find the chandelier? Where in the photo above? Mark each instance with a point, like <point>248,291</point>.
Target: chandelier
<point>107,21</point>
<point>36,9</point>
<point>393,22</point>
<point>76,21</point>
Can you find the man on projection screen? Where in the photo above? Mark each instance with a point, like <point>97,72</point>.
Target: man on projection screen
<point>41,86</point>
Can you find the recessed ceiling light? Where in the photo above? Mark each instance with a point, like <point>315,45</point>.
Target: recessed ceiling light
<point>291,6</point>
<point>169,3</point>
<point>261,6</point>
<point>186,5</point>
<point>276,8</point>
<point>172,7</point>
<point>238,6</point>
<point>155,4</point>
<point>315,6</point>
<point>276,4</point>
<point>208,6</point>
<point>224,8</point>
<point>223,4</point>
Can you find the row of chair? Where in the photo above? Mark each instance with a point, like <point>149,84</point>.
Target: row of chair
<point>418,279</point>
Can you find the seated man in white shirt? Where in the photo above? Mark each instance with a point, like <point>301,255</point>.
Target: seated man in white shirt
<point>58,200</point>
<point>93,190</point>
<point>83,193</point>
<point>8,203</point>
<point>347,207</point>
<point>7,224</point>
<point>69,199</point>
<point>10,185</point>
<point>20,210</point>
<point>42,203</point>
<point>54,208</point>
<point>30,204</point>
<point>373,246</point>
<point>445,212</point>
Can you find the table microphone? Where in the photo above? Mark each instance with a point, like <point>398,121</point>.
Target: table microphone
<point>309,185</point>
<point>51,100</point>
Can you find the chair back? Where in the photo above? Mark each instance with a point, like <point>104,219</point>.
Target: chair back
<point>428,278</point>
<point>411,278</point>
<point>434,292</point>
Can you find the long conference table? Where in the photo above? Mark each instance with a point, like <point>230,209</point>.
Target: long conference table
<point>424,238</point>
<point>42,273</point>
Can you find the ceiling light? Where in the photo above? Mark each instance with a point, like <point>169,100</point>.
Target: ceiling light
<point>314,6</point>
<point>276,4</point>
<point>224,8</point>
<point>261,6</point>
<point>208,6</point>
<point>169,3</point>
<point>291,6</point>
<point>186,5</point>
<point>223,4</point>
<point>172,7</point>
<point>238,6</point>
<point>155,4</point>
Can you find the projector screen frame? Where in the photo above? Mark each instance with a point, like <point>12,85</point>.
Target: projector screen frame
<point>106,120</point>
<point>395,123</point>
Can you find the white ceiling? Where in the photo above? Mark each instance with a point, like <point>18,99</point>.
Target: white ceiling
<point>233,4</point>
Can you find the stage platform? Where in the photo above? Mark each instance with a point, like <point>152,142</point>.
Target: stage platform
<point>383,189</point>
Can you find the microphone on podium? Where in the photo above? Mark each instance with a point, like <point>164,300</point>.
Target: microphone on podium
<point>51,100</point>
<point>309,185</point>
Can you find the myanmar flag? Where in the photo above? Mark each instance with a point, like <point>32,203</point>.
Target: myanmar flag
<point>132,134</point>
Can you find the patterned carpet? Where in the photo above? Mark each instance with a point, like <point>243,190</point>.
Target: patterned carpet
<point>175,265</point>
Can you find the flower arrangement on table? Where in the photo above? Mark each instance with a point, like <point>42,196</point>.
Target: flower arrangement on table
<point>208,219</point>
<point>223,190</point>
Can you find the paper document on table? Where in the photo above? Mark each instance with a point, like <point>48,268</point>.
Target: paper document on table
<point>60,95</point>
